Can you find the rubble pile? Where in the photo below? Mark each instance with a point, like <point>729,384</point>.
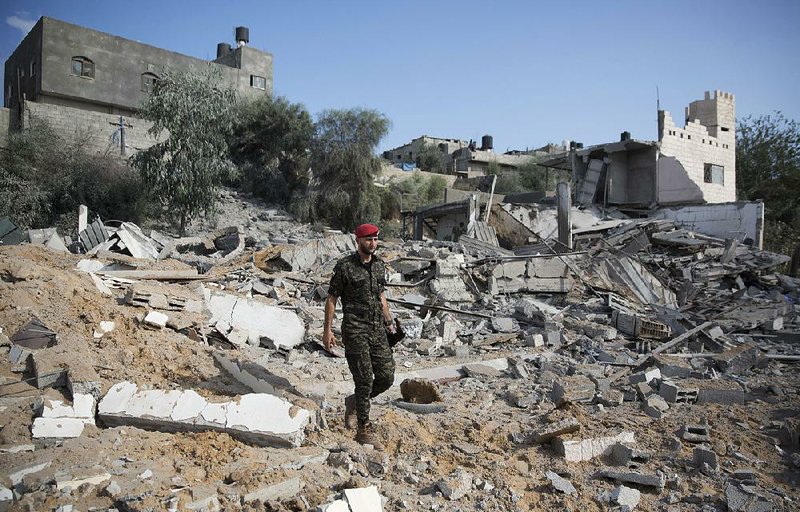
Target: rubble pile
<point>649,368</point>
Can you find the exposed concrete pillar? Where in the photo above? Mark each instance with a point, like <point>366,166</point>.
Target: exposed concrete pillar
<point>83,217</point>
<point>564,204</point>
<point>418,226</point>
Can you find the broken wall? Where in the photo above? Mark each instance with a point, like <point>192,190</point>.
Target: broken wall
<point>632,176</point>
<point>674,183</point>
<point>709,137</point>
<point>740,220</point>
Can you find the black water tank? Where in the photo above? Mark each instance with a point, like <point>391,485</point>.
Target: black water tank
<point>487,142</point>
<point>624,136</point>
<point>242,34</point>
<point>223,49</point>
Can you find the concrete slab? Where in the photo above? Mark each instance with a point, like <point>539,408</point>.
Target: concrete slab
<point>73,484</point>
<point>156,319</point>
<point>190,406</point>
<point>57,427</point>
<point>335,506</point>
<point>277,491</point>
<point>17,474</point>
<point>561,484</point>
<point>283,328</point>
<point>262,419</point>
<point>366,499</point>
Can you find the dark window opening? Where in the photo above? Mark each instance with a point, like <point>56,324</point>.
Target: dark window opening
<point>724,129</point>
<point>83,67</point>
<point>259,82</point>
<point>149,82</point>
<point>713,173</point>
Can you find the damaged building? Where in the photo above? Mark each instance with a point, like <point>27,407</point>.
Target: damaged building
<point>86,81</point>
<point>465,158</point>
<point>695,164</point>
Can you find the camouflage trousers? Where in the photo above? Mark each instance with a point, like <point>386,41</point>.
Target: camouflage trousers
<point>372,365</point>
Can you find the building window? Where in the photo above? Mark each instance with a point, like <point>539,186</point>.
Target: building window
<point>713,173</point>
<point>259,82</point>
<point>149,82</point>
<point>81,66</point>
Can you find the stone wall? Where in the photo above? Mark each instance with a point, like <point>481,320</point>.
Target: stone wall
<point>96,128</point>
<point>696,145</point>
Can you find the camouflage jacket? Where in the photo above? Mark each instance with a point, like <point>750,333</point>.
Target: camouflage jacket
<point>359,286</point>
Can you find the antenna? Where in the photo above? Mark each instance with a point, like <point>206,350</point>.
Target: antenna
<point>658,100</point>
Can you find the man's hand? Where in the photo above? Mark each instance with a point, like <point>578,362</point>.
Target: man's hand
<point>328,339</point>
<point>391,327</point>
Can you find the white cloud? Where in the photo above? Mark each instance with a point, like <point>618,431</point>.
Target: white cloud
<point>22,24</point>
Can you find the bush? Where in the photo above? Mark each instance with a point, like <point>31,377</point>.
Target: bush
<point>44,177</point>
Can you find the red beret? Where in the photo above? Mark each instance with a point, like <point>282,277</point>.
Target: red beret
<point>367,230</point>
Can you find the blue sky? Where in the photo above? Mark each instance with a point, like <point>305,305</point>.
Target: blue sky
<point>526,72</point>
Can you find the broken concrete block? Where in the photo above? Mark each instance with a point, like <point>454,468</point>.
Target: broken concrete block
<point>748,476</point>
<point>366,499</point>
<point>17,474</point>
<point>448,330</point>
<point>456,485</point>
<point>657,481</point>
<point>57,427</point>
<point>280,327</point>
<point>673,393</point>
<point>504,324</point>
<point>573,388</point>
<point>740,500</point>
<point>626,497</point>
<point>276,491</point>
<point>696,433</point>
<point>553,430</point>
<point>655,406</point>
<point>156,319</point>
<point>560,484</point>
<point>611,397</point>
<point>6,494</point>
<point>534,340</point>
<point>534,312</point>
<point>104,328</point>
<point>740,359</point>
<point>73,483</point>
<point>732,393</point>
<point>703,454</point>
<point>643,390</point>
<point>645,376</point>
<point>479,370</point>
<point>774,324</point>
<point>587,449</point>
<point>258,418</point>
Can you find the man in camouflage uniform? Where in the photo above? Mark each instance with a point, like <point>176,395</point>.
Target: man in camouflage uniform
<point>359,279</point>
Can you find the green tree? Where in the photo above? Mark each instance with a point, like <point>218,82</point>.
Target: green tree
<point>187,168</point>
<point>430,158</point>
<point>768,168</point>
<point>271,144</point>
<point>345,165</point>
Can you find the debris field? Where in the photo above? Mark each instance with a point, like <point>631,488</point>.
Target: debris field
<point>650,368</point>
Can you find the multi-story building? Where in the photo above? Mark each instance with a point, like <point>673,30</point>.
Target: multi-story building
<point>90,82</point>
